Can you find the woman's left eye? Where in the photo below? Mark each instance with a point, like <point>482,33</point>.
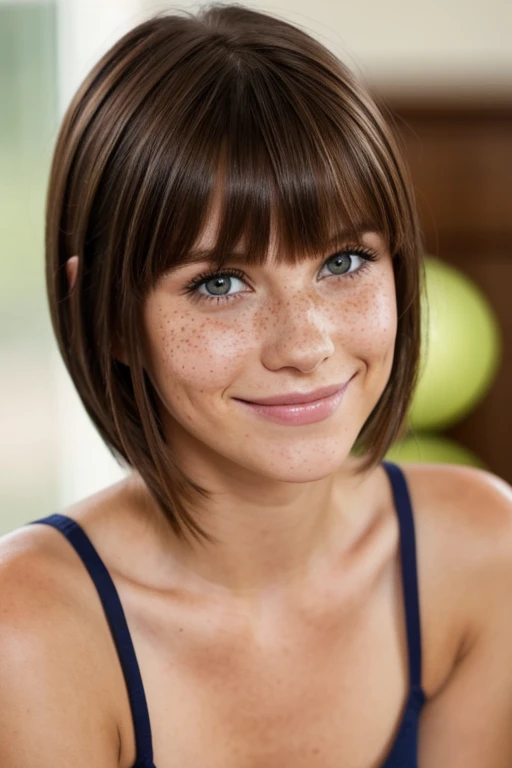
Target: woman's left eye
<point>219,283</point>
<point>339,260</point>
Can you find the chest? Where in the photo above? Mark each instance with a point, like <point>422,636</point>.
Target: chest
<point>328,692</point>
<point>338,704</point>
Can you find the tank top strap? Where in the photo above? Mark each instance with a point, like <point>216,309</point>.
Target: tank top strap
<point>409,571</point>
<point>118,626</point>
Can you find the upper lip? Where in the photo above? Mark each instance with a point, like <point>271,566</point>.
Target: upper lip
<point>299,397</point>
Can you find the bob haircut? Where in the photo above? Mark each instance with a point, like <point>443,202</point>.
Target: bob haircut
<point>184,105</point>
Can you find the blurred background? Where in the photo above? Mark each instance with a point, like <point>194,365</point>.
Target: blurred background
<point>443,69</point>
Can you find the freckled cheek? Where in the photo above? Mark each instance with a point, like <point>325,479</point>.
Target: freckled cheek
<point>196,353</point>
<point>368,324</point>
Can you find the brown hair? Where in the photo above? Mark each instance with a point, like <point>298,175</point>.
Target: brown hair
<point>181,104</point>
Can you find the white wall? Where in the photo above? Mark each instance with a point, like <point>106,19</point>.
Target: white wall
<point>87,28</point>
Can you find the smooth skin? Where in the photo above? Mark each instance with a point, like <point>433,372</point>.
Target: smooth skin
<point>285,644</point>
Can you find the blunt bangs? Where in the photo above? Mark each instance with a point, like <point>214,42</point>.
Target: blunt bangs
<point>229,105</point>
<point>285,157</point>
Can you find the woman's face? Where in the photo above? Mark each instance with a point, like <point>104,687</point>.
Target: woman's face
<point>271,330</point>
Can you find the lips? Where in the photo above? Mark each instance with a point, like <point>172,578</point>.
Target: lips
<point>301,413</point>
<point>296,398</point>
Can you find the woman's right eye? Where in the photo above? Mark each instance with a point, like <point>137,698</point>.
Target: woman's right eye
<point>216,285</point>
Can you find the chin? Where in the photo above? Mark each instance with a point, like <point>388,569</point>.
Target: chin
<point>298,466</point>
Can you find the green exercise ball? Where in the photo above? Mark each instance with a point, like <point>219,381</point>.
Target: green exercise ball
<point>460,348</point>
<point>432,448</point>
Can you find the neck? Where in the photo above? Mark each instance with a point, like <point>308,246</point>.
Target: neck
<point>273,537</point>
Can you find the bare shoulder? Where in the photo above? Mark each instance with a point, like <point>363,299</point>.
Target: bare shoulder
<point>457,483</point>
<point>467,515</point>
<point>50,670</point>
<point>472,503</point>
<point>464,515</point>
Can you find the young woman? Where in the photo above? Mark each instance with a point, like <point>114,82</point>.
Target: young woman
<point>234,265</point>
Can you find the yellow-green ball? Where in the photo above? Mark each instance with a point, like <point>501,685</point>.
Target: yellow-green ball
<point>460,351</point>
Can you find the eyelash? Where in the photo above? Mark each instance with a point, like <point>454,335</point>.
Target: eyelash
<point>205,277</point>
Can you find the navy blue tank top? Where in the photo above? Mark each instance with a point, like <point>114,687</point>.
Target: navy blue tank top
<point>403,753</point>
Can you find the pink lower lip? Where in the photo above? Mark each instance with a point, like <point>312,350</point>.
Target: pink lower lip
<point>300,413</point>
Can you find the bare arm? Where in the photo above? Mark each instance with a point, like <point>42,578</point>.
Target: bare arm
<point>469,722</point>
<point>51,710</point>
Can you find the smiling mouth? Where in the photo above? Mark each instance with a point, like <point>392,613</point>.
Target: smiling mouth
<point>298,413</point>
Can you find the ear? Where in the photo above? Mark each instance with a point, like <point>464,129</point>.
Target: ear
<point>71,270</point>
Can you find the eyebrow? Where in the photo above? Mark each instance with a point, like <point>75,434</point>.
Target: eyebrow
<point>197,255</point>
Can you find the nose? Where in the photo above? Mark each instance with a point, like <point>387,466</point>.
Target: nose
<point>299,336</point>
